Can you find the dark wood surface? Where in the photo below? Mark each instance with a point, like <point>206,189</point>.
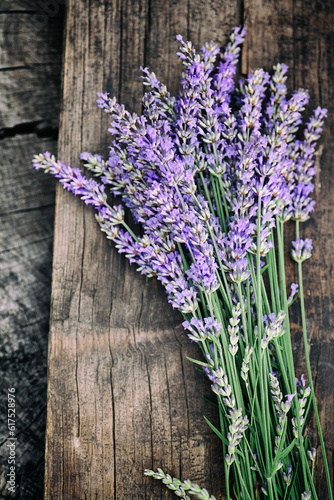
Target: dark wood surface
<point>30,70</point>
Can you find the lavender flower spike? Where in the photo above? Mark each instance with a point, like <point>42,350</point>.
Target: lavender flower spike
<point>91,192</point>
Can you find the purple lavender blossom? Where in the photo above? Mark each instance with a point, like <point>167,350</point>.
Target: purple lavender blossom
<point>302,382</point>
<point>294,292</point>
<point>206,174</point>
<point>301,185</point>
<point>150,257</point>
<point>289,397</point>
<point>202,329</point>
<point>301,249</point>
<point>167,163</point>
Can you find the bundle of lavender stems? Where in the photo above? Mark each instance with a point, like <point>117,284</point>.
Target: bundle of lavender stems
<point>210,176</point>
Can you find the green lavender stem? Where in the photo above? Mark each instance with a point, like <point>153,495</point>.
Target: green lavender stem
<point>293,387</point>
<point>309,374</point>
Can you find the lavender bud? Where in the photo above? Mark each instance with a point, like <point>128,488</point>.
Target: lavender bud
<point>312,454</point>
<point>229,457</point>
<point>279,465</point>
<point>301,249</point>
<point>227,391</point>
<point>307,392</point>
<point>287,476</point>
<point>233,349</point>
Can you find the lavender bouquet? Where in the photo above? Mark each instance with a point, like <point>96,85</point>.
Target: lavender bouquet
<point>211,175</point>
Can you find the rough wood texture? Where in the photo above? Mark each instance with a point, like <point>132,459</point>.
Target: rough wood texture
<point>30,65</point>
<point>300,33</point>
<point>122,396</point>
<point>26,213</point>
<point>27,209</point>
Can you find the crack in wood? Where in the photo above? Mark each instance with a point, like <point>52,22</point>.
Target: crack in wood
<point>41,128</point>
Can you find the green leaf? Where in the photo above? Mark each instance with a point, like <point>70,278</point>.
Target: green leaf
<point>287,450</point>
<point>199,368</point>
<point>216,431</point>
<point>219,434</point>
<point>307,443</point>
<point>252,430</point>
<point>197,362</point>
<point>210,401</point>
<point>264,268</point>
<point>234,491</point>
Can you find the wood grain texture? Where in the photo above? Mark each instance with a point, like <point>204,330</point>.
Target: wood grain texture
<point>26,221</point>
<point>300,33</point>
<point>30,65</point>
<point>27,209</point>
<point>122,396</point>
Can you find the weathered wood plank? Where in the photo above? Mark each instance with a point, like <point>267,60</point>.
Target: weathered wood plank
<point>26,213</point>
<point>122,396</point>
<point>37,102</point>
<point>24,45</point>
<point>300,33</point>
<point>30,66</point>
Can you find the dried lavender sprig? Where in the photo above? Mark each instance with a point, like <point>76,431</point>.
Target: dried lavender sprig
<point>138,165</point>
<point>181,489</point>
<point>92,193</point>
<point>167,266</point>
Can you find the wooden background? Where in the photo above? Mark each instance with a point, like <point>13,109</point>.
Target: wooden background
<point>121,395</point>
<point>30,71</point>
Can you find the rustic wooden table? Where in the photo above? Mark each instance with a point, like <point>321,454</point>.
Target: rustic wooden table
<point>121,395</point>
<point>30,70</point>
